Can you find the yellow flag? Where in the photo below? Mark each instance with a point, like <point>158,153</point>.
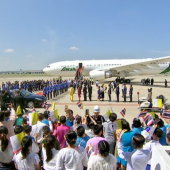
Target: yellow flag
<point>56,114</point>
<point>34,117</point>
<point>53,106</point>
<point>18,111</point>
<point>108,113</point>
<point>153,114</point>
<point>119,124</point>
<point>159,103</point>
<point>20,136</point>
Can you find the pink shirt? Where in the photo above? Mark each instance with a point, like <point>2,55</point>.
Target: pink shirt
<point>60,132</point>
<point>94,143</point>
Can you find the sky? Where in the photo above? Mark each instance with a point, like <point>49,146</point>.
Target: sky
<point>35,33</point>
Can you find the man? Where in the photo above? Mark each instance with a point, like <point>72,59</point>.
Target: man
<point>19,101</point>
<point>152,81</point>
<point>109,92</point>
<point>124,92</point>
<point>60,132</point>
<point>138,159</point>
<point>85,93</point>
<point>99,119</point>
<point>90,91</point>
<point>130,92</point>
<point>166,83</point>
<point>117,93</point>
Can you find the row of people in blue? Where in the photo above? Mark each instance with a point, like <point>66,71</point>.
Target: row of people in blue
<point>52,89</point>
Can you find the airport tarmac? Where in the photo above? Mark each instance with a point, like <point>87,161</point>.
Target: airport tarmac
<point>131,108</point>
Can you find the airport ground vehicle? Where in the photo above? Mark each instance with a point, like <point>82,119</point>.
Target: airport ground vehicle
<point>30,99</point>
<point>144,104</point>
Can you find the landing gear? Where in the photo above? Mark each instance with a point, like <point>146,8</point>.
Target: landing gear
<point>122,80</point>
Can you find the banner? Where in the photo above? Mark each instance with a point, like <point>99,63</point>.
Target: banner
<point>16,142</point>
<point>19,111</point>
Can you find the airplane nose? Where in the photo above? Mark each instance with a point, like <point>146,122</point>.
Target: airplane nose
<point>45,70</point>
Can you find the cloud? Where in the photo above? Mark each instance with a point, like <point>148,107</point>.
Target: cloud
<point>9,50</point>
<point>74,48</point>
<point>43,40</point>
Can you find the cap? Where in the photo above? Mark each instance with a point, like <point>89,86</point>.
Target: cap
<point>96,109</point>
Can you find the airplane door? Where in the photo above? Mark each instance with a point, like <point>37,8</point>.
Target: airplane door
<point>80,65</point>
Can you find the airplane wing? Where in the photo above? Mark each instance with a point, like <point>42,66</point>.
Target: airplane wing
<point>141,65</point>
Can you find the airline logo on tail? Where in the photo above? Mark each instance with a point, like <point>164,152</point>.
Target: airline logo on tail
<point>166,70</point>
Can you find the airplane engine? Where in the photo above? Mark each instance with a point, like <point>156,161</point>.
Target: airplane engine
<point>100,75</point>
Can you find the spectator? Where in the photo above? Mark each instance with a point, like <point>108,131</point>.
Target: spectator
<point>45,120</point>
<point>138,159</point>
<point>70,118</point>
<point>136,126</point>
<point>103,160</point>
<point>82,137</point>
<point>8,122</point>
<point>6,151</point>
<point>37,129</point>
<point>168,138</point>
<point>49,153</point>
<point>18,120</point>
<point>125,137</point>
<point>26,159</point>
<point>46,133</point>
<point>99,119</point>
<point>27,130</point>
<point>155,142</point>
<point>93,142</point>
<point>18,129</point>
<point>109,129</point>
<point>71,157</point>
<point>60,132</point>
<point>98,92</point>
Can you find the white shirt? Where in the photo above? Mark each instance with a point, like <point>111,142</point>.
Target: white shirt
<point>149,145</point>
<point>7,155</point>
<point>97,162</point>
<point>137,160</point>
<point>71,159</point>
<point>38,129</point>
<point>29,163</point>
<point>51,165</point>
<point>109,129</point>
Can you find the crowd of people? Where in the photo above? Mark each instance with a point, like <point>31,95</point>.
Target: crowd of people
<point>92,142</point>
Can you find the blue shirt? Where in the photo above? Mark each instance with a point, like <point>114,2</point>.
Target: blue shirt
<point>162,140</point>
<point>68,123</point>
<point>137,130</point>
<point>81,141</point>
<point>45,121</point>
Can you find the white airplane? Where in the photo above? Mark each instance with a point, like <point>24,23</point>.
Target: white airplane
<point>103,69</point>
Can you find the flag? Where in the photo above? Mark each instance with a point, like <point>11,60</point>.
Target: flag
<point>166,114</point>
<point>89,150</point>
<point>44,104</point>
<point>80,104</point>
<point>153,114</point>
<point>53,106</point>
<point>19,111</point>
<point>123,112</point>
<point>108,113</point>
<point>150,122</point>
<point>119,124</point>
<point>32,118</point>
<point>16,142</point>
<point>54,115</point>
<point>47,107</point>
<point>33,110</point>
<point>142,113</point>
<point>147,119</point>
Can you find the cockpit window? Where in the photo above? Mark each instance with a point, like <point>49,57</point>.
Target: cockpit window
<point>48,66</point>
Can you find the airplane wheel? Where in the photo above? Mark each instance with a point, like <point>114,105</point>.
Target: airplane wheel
<point>127,81</point>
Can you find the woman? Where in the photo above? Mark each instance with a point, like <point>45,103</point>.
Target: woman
<point>71,157</point>
<point>103,160</point>
<point>26,159</point>
<point>49,153</point>
<point>98,93</point>
<point>137,126</point>
<point>79,92</point>
<point>102,89</point>
<point>125,137</point>
<point>6,152</point>
<point>71,92</point>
